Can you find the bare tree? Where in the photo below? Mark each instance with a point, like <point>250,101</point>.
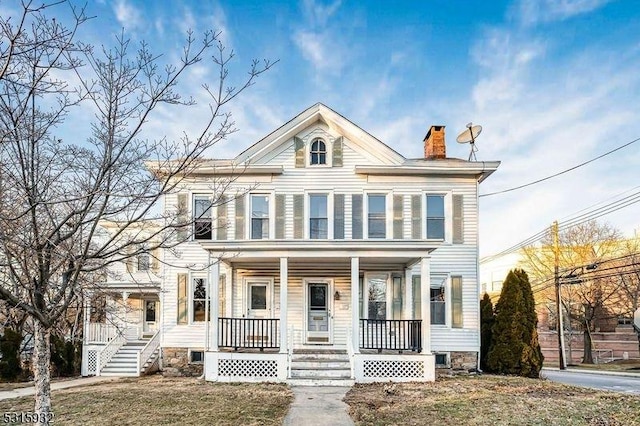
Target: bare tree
<point>585,298</point>
<point>54,194</point>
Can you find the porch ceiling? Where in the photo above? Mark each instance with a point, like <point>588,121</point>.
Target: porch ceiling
<point>405,252</point>
<point>130,287</point>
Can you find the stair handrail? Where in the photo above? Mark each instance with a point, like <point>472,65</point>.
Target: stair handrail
<point>147,351</point>
<point>290,349</point>
<point>351,351</point>
<point>110,349</point>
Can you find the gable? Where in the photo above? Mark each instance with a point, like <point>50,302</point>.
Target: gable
<point>319,121</point>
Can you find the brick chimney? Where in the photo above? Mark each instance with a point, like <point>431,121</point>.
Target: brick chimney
<point>434,146</point>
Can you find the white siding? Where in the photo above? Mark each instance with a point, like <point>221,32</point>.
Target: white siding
<point>452,259</point>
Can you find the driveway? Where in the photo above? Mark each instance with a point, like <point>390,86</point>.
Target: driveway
<point>602,381</point>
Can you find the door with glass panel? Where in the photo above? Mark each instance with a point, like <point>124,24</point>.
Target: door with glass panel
<point>318,312</point>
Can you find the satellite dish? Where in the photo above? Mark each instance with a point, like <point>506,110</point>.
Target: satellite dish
<point>469,136</point>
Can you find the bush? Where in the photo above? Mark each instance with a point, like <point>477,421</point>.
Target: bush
<point>10,343</point>
<point>486,322</point>
<point>515,348</point>
<point>65,357</point>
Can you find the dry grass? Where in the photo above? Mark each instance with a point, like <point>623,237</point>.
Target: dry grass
<point>489,400</point>
<point>165,401</point>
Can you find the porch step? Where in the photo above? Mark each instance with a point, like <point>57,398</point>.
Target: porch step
<point>320,382</point>
<point>320,367</point>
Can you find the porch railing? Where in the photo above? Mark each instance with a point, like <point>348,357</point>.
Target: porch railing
<point>399,335</point>
<point>105,355</point>
<point>255,333</point>
<point>145,354</point>
<point>101,333</point>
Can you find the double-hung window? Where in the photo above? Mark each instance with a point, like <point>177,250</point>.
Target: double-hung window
<point>259,217</point>
<point>435,217</point>
<point>438,301</point>
<point>202,219</point>
<point>318,216</point>
<point>377,217</point>
<point>143,262</point>
<point>199,298</point>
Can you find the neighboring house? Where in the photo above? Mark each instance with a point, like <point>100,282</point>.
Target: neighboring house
<point>311,265</point>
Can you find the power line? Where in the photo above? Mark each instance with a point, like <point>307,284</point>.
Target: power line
<point>576,220</point>
<point>562,172</point>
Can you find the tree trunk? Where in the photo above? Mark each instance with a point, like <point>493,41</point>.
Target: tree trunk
<point>587,355</point>
<point>42,373</point>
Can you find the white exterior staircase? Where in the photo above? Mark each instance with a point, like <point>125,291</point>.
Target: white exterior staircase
<point>124,362</point>
<point>318,367</point>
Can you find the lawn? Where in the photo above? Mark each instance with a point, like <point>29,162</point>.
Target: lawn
<point>489,400</point>
<point>164,401</point>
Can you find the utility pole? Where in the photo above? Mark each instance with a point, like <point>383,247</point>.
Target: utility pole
<point>556,277</point>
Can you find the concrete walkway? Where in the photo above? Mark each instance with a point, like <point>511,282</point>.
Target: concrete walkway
<point>318,406</point>
<point>17,393</point>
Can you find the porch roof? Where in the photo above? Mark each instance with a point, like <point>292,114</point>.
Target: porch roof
<point>391,251</point>
<point>130,287</point>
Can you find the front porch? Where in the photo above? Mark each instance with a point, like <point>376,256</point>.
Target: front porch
<point>363,311</point>
<point>121,336</point>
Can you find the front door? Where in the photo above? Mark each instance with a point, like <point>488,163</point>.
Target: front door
<point>318,313</point>
<point>150,316</point>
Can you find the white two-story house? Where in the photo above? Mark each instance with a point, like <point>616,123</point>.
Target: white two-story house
<point>324,255</point>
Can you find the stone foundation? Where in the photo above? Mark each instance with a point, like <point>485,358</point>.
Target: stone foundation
<point>175,363</point>
<point>460,363</point>
<point>464,361</point>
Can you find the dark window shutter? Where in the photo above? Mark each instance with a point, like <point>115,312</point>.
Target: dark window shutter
<point>337,152</point>
<point>356,216</point>
<point>338,216</point>
<point>183,299</point>
<point>155,260</point>
<point>456,302</point>
<point>298,216</point>
<point>183,214</point>
<point>299,147</point>
<point>221,229</point>
<point>240,202</point>
<point>458,219</point>
<point>398,221</point>
<point>416,217</point>
<point>280,213</point>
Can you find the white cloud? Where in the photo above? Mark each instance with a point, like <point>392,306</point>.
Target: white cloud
<point>317,13</point>
<point>530,12</point>
<point>316,38</point>
<point>127,15</point>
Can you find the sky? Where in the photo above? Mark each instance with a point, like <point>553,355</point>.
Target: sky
<point>554,83</point>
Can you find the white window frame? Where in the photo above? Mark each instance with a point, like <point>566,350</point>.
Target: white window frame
<point>269,281</point>
<point>329,156</point>
<point>272,214</point>
<point>388,212</point>
<point>212,209</point>
<point>190,351</point>
<point>448,215</point>
<point>447,298</point>
<point>307,214</point>
<point>191,287</point>
<point>388,293</point>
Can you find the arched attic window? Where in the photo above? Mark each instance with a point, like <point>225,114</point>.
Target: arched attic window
<point>318,152</point>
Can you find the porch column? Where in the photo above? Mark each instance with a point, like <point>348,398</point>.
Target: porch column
<point>408,294</point>
<point>355,315</point>
<point>284,273</point>
<point>87,317</point>
<point>228,293</point>
<point>214,279</point>
<point>425,303</point>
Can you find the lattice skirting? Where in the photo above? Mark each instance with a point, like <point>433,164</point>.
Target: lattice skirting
<point>248,368</point>
<point>393,369</point>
